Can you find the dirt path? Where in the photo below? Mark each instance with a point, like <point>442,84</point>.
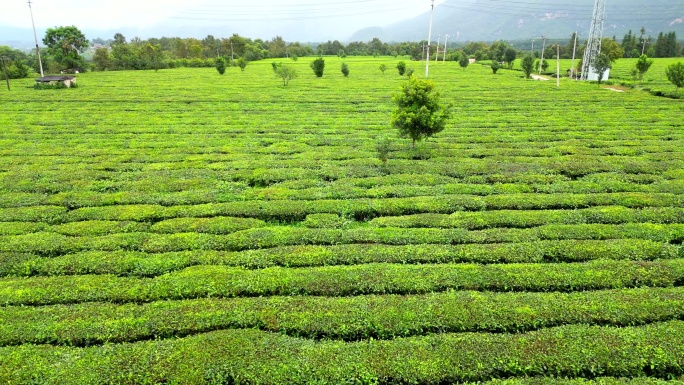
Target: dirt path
<point>539,77</point>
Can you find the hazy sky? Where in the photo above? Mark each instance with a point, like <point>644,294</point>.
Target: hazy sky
<point>261,17</point>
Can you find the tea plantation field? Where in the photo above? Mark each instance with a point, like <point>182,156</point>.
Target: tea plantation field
<point>182,227</point>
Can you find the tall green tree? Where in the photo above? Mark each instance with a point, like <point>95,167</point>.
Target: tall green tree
<point>509,56</point>
<point>153,56</point>
<point>420,113</point>
<point>64,44</point>
<point>527,65</point>
<point>601,65</point>
<point>642,65</point>
<point>102,59</point>
<point>612,49</point>
<point>675,74</point>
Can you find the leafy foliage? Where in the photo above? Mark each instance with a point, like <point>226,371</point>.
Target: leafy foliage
<point>675,74</point>
<point>642,65</point>
<point>221,65</point>
<point>242,63</point>
<point>286,73</point>
<point>65,44</point>
<point>420,113</point>
<point>345,69</point>
<point>318,66</point>
<point>601,65</point>
<point>464,61</point>
<point>527,65</point>
<point>401,68</point>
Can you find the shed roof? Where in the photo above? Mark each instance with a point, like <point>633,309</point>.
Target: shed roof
<point>54,78</point>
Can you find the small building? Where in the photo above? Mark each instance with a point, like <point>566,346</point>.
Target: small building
<point>53,80</point>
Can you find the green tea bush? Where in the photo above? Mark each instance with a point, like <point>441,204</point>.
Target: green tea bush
<point>348,319</point>
<point>224,282</point>
<point>251,356</point>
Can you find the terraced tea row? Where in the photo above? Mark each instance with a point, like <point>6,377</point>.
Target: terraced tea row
<point>349,319</point>
<point>223,281</point>
<point>131,263</point>
<point>251,356</point>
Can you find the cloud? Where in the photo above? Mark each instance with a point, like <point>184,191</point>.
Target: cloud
<point>101,14</point>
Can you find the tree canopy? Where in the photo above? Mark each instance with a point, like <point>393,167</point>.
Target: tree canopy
<point>65,44</point>
<point>675,74</point>
<point>420,112</point>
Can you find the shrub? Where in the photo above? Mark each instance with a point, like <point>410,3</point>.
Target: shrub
<point>383,68</point>
<point>419,113</point>
<point>318,66</point>
<point>527,65</point>
<point>642,66</point>
<point>401,67</point>
<point>382,146</point>
<point>675,74</point>
<point>242,63</point>
<point>464,61</point>
<point>286,73</point>
<point>345,69</point>
<point>221,65</point>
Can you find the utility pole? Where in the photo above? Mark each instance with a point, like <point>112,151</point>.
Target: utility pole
<point>4,68</point>
<point>532,47</point>
<point>437,53</point>
<point>35,37</point>
<point>446,38</point>
<point>572,66</point>
<point>427,58</point>
<point>558,65</point>
<point>541,61</point>
<point>232,54</point>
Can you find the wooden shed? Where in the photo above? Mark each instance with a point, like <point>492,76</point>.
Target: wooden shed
<point>66,80</point>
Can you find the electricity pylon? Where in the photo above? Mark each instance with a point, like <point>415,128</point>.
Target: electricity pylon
<point>593,49</point>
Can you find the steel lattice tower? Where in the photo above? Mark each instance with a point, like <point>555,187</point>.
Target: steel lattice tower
<point>595,35</point>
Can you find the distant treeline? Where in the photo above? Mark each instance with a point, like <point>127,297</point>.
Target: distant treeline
<point>170,52</point>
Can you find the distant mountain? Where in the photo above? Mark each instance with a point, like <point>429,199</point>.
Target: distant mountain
<point>490,20</point>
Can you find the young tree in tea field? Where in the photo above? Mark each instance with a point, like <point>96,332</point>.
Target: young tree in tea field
<point>601,65</point>
<point>509,56</point>
<point>527,65</point>
<point>318,66</point>
<point>345,69</point>
<point>242,63</point>
<point>420,112</point>
<point>542,65</point>
<point>464,61</point>
<point>286,73</point>
<point>221,65</point>
<point>383,68</point>
<point>495,66</point>
<point>675,74</point>
<point>642,65</point>
<point>401,67</point>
